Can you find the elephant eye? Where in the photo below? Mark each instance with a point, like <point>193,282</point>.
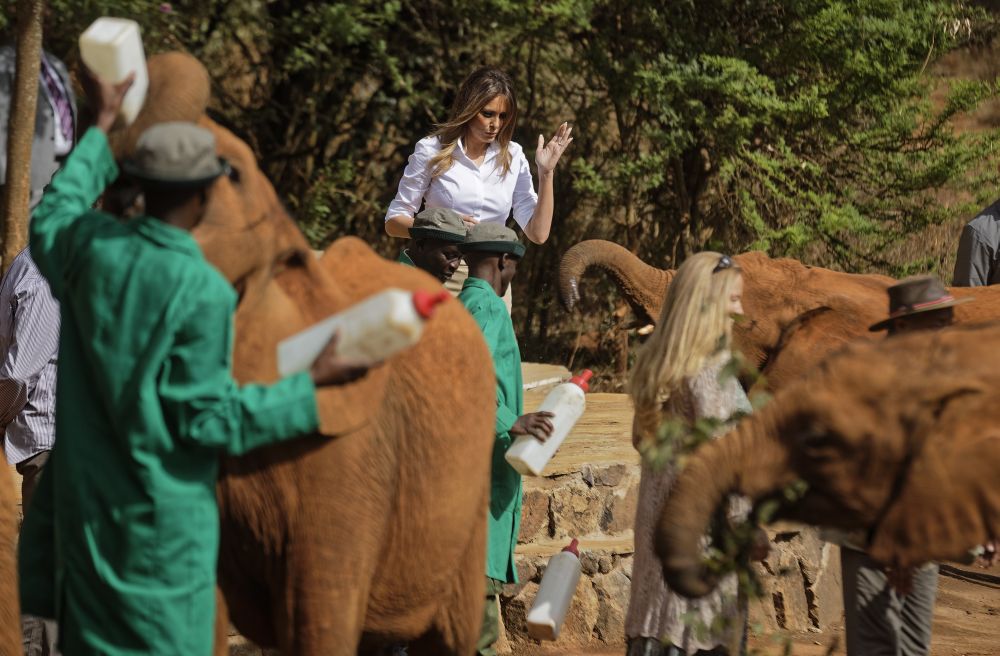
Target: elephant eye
<point>290,259</point>
<point>234,174</point>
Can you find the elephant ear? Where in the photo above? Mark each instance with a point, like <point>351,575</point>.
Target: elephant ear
<point>357,272</point>
<point>947,501</point>
<point>179,90</point>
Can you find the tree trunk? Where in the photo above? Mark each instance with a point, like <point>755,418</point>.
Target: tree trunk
<point>21,129</point>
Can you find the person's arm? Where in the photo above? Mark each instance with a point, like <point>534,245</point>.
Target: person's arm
<point>34,342</point>
<point>488,324</point>
<point>974,259</point>
<point>546,158</point>
<point>410,193</point>
<point>203,404</point>
<point>84,175</point>
<point>89,168</point>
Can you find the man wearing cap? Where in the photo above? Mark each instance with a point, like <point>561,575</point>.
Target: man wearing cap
<point>890,612</point>
<point>492,252</point>
<point>125,514</point>
<point>434,240</point>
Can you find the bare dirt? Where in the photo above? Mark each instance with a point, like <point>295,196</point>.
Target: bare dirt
<point>966,623</point>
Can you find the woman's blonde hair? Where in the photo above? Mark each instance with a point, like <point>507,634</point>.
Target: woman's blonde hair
<point>694,324</point>
<point>482,86</point>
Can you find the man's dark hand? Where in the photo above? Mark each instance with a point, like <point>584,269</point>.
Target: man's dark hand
<point>331,369</point>
<point>536,424</point>
<point>105,98</point>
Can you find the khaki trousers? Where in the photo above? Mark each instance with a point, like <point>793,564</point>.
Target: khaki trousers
<point>490,631</point>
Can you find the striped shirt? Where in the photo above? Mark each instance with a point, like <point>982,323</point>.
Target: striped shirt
<point>29,344</point>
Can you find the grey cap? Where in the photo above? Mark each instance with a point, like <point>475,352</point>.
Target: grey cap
<point>175,154</point>
<point>439,223</point>
<point>492,238</point>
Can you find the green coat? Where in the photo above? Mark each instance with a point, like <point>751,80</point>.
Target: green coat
<point>404,258</point>
<point>490,313</point>
<point>121,541</point>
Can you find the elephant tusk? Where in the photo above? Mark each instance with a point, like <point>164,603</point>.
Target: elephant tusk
<point>647,329</point>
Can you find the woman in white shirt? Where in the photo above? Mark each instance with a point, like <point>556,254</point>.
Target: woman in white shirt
<point>469,164</point>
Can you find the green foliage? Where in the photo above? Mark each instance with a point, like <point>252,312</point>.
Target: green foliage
<point>803,127</point>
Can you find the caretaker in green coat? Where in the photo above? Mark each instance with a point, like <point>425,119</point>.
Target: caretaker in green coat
<point>492,252</point>
<point>434,240</point>
<point>125,514</point>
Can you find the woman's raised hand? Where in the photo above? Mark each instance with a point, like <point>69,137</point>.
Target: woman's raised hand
<point>547,154</point>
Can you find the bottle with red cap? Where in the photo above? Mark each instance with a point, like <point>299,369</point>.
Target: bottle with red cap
<point>567,402</point>
<point>555,594</point>
<point>374,329</point>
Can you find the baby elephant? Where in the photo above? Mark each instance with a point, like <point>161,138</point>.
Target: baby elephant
<point>899,438</point>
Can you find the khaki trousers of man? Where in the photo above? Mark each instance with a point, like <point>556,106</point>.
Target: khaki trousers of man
<point>490,631</point>
<point>39,636</point>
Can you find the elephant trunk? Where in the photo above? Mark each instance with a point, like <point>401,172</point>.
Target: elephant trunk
<point>748,461</point>
<point>643,286</point>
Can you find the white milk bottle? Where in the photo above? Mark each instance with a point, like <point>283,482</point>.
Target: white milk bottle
<point>555,594</point>
<point>567,402</point>
<point>112,48</point>
<point>372,330</point>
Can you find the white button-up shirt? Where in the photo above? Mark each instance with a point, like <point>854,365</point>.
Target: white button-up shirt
<point>481,192</point>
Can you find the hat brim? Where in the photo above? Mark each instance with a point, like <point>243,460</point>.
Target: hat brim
<point>512,247</point>
<point>885,323</point>
<point>433,233</point>
<point>152,181</point>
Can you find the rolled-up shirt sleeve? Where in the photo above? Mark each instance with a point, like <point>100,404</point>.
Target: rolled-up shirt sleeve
<point>974,260</point>
<point>525,199</point>
<point>413,185</point>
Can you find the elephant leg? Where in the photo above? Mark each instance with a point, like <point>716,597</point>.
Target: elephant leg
<point>459,618</point>
<point>327,598</point>
<point>335,544</point>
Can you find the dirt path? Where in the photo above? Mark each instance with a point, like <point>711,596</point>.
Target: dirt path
<point>966,623</point>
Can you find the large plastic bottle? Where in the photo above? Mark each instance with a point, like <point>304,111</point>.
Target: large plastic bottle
<point>567,402</point>
<point>112,48</point>
<point>373,329</point>
<point>555,594</point>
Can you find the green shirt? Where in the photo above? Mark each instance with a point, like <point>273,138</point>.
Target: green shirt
<point>504,521</point>
<point>404,258</point>
<point>121,541</point>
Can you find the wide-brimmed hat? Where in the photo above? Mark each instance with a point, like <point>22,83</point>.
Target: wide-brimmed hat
<point>492,238</point>
<point>175,155</point>
<point>439,223</point>
<point>915,295</point>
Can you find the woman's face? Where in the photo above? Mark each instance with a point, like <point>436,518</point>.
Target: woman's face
<point>735,300</point>
<point>486,125</point>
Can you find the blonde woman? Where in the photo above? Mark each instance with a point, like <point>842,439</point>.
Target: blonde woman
<point>676,376</point>
<point>470,164</point>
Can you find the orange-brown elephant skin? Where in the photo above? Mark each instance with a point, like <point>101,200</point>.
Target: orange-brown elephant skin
<point>372,531</point>
<point>899,438</point>
<point>795,314</point>
<point>10,607</point>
